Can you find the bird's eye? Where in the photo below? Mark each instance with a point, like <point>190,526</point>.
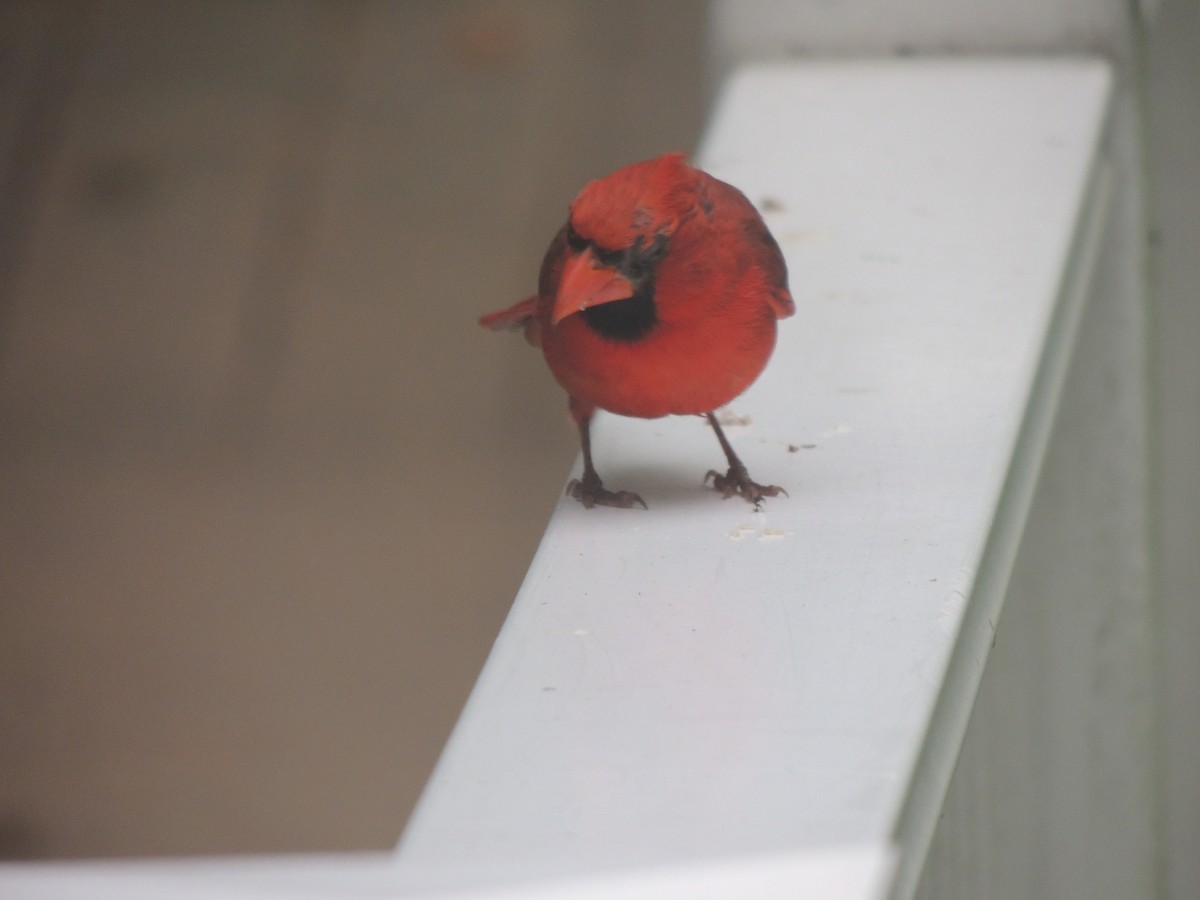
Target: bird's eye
<point>575,240</point>
<point>657,247</point>
<point>614,259</point>
<point>641,257</point>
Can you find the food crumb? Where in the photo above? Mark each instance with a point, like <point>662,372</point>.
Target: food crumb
<point>741,531</point>
<point>727,418</point>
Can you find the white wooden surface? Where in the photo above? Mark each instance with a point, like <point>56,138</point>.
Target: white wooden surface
<point>757,29</point>
<point>699,680</point>
<point>1173,171</point>
<point>1054,793</point>
<point>841,874</point>
<point>698,685</point>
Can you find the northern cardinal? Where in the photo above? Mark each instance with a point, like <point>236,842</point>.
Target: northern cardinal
<point>658,297</point>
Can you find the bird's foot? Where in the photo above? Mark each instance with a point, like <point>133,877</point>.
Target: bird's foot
<point>590,492</point>
<point>737,481</point>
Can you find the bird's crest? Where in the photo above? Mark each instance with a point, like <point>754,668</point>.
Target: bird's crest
<point>645,199</point>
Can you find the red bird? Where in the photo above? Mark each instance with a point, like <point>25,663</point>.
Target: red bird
<point>658,297</point>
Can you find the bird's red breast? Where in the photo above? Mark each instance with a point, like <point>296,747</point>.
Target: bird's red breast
<point>660,294</point>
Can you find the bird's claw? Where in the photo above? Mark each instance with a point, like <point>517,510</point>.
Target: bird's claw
<point>737,481</point>
<point>591,493</point>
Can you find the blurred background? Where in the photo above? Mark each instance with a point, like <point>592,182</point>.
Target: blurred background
<point>266,491</point>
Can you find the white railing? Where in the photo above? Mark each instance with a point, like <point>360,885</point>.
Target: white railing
<point>701,700</point>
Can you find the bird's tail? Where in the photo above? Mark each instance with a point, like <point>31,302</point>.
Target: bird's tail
<point>521,317</point>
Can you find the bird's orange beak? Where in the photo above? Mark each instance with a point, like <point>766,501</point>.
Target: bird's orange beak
<point>584,282</point>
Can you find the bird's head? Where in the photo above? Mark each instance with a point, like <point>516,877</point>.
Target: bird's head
<point>619,228</point>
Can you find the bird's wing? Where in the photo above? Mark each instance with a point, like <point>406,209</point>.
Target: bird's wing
<point>781,303</point>
<point>520,317</point>
<point>770,257</point>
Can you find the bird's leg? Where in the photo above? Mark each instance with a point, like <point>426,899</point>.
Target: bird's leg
<point>588,490</point>
<point>737,479</point>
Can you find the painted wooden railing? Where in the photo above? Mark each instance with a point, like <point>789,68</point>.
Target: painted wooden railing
<point>702,700</point>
